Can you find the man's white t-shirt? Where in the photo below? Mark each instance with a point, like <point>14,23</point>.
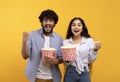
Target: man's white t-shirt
<point>44,71</point>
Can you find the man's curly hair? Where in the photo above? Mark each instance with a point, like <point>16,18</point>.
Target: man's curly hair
<point>48,14</point>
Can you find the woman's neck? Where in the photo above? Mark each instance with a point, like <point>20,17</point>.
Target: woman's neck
<point>77,39</point>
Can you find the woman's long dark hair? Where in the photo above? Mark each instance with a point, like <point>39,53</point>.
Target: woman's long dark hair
<point>83,33</point>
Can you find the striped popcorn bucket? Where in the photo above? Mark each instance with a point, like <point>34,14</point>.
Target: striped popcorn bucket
<point>68,53</point>
<point>48,52</point>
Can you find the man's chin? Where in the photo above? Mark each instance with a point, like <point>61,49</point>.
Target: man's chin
<point>48,31</point>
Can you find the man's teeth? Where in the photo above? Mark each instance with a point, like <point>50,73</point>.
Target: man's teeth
<point>48,25</point>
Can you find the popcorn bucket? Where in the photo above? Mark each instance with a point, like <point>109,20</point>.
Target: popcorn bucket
<point>68,53</point>
<point>48,52</point>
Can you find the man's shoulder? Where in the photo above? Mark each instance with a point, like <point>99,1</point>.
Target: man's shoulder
<point>56,35</point>
<point>34,32</point>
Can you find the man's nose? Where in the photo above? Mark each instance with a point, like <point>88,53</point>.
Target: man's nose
<point>48,22</point>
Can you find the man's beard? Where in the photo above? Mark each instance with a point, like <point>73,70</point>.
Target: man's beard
<point>45,32</point>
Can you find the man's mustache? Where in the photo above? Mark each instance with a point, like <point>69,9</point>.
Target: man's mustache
<point>48,25</point>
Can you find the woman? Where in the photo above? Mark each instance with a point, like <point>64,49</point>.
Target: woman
<point>86,51</point>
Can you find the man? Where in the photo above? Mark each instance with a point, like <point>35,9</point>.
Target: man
<point>37,70</point>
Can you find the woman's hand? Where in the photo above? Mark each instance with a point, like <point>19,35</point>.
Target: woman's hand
<point>97,45</point>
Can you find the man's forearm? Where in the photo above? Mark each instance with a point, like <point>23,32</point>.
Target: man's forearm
<point>25,53</point>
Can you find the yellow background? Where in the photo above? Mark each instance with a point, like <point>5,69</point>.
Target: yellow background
<point>101,16</point>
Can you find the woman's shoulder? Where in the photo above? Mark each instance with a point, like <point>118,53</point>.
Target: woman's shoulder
<point>66,41</point>
<point>88,39</point>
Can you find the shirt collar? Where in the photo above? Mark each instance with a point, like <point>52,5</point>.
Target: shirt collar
<point>83,40</point>
<point>41,33</point>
